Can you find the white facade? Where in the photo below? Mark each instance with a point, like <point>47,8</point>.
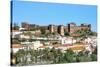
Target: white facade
<point>37,44</point>
<point>15,49</point>
<point>24,36</point>
<point>68,41</point>
<point>15,33</point>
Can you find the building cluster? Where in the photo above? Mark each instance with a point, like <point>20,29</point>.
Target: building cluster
<point>29,32</point>
<point>89,44</point>
<point>30,37</point>
<point>61,29</point>
<point>26,38</point>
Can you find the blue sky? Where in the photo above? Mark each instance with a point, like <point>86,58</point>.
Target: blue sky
<point>54,13</point>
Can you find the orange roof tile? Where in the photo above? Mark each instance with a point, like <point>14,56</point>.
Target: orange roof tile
<point>17,46</point>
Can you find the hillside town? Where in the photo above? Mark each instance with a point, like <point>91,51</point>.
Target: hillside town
<point>33,44</point>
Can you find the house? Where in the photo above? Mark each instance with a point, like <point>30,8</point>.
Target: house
<point>25,36</point>
<point>37,44</point>
<point>16,47</point>
<point>67,40</point>
<point>15,33</point>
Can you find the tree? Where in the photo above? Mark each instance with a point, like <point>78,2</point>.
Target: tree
<point>43,31</point>
<point>94,57</point>
<point>15,26</point>
<point>15,41</point>
<point>69,55</point>
<point>93,33</point>
<point>77,59</point>
<point>32,53</point>
<point>95,50</point>
<point>20,56</point>
<point>66,34</point>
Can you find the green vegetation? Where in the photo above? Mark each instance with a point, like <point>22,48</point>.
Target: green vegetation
<point>85,33</point>
<point>15,26</point>
<point>33,29</point>
<point>52,56</point>
<point>66,34</point>
<point>15,41</point>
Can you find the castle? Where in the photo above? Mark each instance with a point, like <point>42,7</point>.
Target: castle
<point>61,29</point>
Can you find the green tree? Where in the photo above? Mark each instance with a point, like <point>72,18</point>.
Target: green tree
<point>66,34</point>
<point>94,57</point>
<point>15,26</point>
<point>69,55</point>
<point>20,56</point>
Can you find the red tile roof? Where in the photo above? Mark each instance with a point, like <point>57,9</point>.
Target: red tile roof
<point>17,46</point>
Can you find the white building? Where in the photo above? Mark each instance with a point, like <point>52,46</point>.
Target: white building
<point>65,40</point>
<point>25,36</point>
<point>33,45</point>
<point>16,47</point>
<point>37,44</point>
<point>16,33</point>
